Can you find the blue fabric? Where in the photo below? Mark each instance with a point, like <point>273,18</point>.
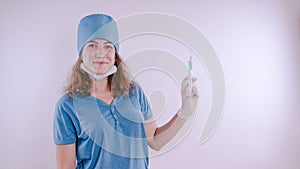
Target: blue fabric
<point>97,26</point>
<point>75,121</point>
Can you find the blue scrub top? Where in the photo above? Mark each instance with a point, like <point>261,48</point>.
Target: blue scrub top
<point>106,136</point>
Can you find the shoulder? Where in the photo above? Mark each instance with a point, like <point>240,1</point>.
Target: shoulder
<point>64,102</point>
<point>134,84</point>
<point>64,99</point>
<point>137,91</point>
<point>135,88</point>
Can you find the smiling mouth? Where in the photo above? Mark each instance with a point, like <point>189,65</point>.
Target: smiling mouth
<point>100,63</point>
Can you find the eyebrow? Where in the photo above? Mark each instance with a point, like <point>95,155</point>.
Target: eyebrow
<point>93,41</point>
<point>108,43</point>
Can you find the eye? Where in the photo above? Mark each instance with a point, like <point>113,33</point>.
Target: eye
<point>108,46</point>
<point>91,45</point>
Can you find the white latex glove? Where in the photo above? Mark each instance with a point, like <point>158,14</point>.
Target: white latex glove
<point>189,98</point>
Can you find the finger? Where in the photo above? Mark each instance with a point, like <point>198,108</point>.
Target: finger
<point>187,78</point>
<point>194,89</point>
<point>195,92</point>
<point>185,82</point>
<point>184,89</point>
<point>194,84</point>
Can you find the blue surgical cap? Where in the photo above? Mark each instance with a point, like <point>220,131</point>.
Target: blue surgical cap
<point>97,26</point>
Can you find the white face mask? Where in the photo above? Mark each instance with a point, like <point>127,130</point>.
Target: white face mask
<point>97,76</point>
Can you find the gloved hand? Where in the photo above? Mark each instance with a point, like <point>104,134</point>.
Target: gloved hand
<point>189,98</point>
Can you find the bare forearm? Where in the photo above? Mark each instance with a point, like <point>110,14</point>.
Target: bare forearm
<point>166,132</point>
<point>65,156</point>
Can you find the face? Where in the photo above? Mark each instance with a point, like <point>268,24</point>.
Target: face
<point>98,56</point>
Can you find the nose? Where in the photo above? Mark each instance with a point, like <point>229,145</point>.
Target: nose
<point>100,53</point>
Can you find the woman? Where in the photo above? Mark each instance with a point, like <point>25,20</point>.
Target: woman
<point>104,119</point>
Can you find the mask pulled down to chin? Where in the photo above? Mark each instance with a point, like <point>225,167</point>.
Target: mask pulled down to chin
<point>98,76</point>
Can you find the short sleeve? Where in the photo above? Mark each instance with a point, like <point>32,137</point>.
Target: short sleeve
<point>63,128</point>
<point>145,106</point>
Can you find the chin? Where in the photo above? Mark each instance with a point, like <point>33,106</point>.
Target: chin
<point>101,72</point>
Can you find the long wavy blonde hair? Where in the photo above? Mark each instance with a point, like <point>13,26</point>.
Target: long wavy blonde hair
<point>80,83</point>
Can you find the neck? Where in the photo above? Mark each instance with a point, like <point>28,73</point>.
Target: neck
<point>100,86</point>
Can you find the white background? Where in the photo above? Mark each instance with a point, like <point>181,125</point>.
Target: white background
<point>256,41</point>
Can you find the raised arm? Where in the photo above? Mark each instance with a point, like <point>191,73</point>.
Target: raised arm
<point>157,137</point>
